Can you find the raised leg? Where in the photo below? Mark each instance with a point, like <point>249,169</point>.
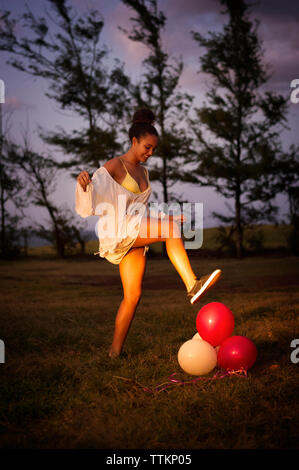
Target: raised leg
<point>154,230</point>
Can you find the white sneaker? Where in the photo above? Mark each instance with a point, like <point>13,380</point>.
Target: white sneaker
<point>202,285</point>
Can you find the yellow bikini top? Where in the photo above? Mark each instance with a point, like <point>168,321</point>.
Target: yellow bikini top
<point>130,184</point>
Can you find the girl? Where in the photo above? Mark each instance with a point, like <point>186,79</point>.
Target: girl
<point>117,188</point>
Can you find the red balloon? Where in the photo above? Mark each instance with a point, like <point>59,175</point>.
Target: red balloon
<point>237,352</point>
<point>215,322</point>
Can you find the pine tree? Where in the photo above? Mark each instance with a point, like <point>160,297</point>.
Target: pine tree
<point>40,173</point>
<point>13,197</point>
<point>287,172</point>
<point>241,124</point>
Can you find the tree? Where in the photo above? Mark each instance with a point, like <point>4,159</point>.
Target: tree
<point>287,171</point>
<point>13,198</point>
<point>62,233</point>
<point>243,122</point>
<point>70,58</point>
<point>158,89</point>
<point>41,173</point>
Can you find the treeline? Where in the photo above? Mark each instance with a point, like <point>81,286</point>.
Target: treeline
<point>231,143</point>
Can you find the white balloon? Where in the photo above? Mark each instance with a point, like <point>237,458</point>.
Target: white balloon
<point>196,336</point>
<point>197,357</point>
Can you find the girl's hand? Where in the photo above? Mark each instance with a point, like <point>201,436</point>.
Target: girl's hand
<point>83,179</point>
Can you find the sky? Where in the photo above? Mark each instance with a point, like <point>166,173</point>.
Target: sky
<point>29,107</point>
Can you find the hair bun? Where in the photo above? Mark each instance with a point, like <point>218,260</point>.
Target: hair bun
<point>144,115</point>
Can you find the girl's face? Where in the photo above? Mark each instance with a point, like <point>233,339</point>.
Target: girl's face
<point>145,146</point>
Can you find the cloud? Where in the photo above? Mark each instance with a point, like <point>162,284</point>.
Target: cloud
<point>133,53</point>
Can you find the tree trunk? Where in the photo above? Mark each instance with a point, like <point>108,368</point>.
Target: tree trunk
<point>82,245</point>
<point>239,228</point>
<point>60,249</point>
<point>25,243</point>
<point>60,245</point>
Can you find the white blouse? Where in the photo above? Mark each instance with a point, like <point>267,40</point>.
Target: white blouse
<point>120,213</point>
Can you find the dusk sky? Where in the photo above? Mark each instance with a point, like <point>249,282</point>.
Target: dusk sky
<point>278,31</point>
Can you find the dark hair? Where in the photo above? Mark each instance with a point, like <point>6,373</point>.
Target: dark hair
<point>142,124</point>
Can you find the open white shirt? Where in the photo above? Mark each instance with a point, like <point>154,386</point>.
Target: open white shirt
<point>120,213</point>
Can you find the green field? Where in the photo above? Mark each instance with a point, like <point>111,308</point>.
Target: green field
<point>59,389</point>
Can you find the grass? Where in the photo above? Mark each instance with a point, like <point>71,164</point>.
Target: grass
<point>59,389</point>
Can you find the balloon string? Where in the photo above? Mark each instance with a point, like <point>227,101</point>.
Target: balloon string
<point>172,381</point>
